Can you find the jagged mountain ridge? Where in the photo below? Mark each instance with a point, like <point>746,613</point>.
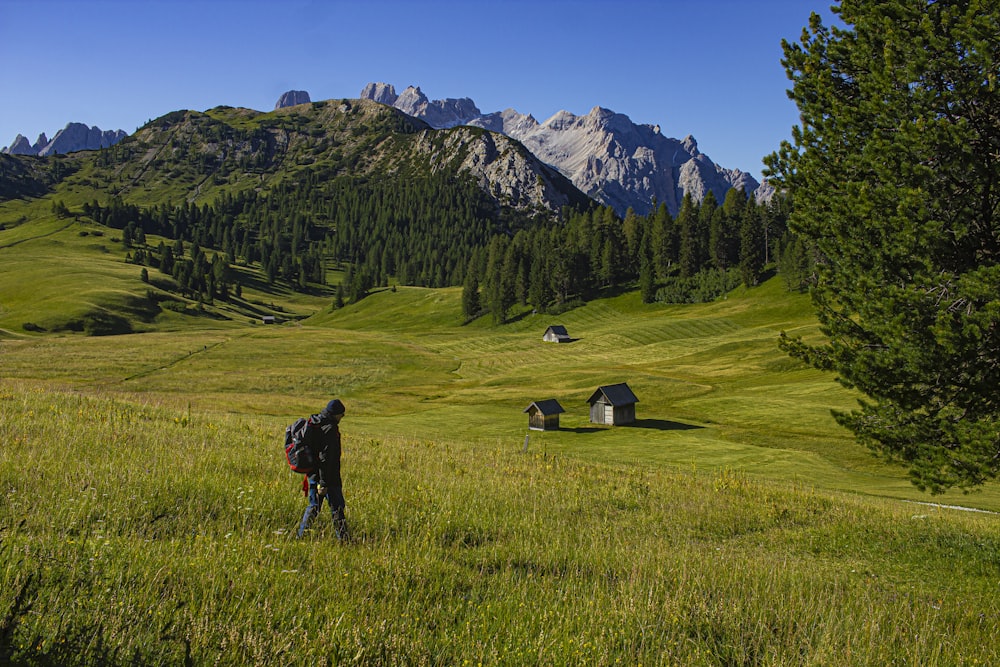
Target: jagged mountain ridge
<point>73,137</point>
<point>613,160</point>
<point>619,163</point>
<point>439,114</point>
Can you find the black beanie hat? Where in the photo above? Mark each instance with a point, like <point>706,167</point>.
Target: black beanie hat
<point>333,408</point>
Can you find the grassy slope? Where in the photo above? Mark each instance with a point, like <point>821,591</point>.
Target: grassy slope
<point>54,271</point>
<point>73,275</point>
<point>714,390</point>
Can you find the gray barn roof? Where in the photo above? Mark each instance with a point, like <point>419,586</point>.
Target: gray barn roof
<point>615,394</point>
<point>558,330</point>
<point>549,406</point>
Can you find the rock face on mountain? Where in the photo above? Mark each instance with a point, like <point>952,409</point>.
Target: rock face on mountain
<point>383,93</point>
<point>605,154</point>
<point>73,137</point>
<point>22,147</point>
<point>292,98</point>
<point>79,137</point>
<point>511,174</point>
<point>438,114</point>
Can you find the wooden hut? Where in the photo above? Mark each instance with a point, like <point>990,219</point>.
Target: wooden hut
<point>267,319</point>
<point>612,404</point>
<point>556,334</point>
<point>544,415</point>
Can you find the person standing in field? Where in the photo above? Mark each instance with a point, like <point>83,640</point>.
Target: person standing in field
<point>323,438</point>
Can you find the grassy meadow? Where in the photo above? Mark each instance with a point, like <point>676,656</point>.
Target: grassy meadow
<point>147,516</point>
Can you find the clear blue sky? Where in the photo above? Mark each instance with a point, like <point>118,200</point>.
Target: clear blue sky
<point>708,68</point>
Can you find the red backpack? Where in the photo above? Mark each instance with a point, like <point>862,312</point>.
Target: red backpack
<point>297,452</point>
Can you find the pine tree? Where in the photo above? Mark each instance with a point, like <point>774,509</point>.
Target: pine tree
<point>725,241</point>
<point>688,251</point>
<point>498,283</point>
<point>664,242</point>
<point>633,233</point>
<point>707,210</point>
<point>751,246</point>
<point>166,260</point>
<point>893,174</point>
<point>647,286</point>
<point>539,283</point>
<point>795,266</point>
<point>470,292</point>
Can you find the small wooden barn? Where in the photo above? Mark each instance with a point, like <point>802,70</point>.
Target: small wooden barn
<point>544,415</point>
<point>267,319</point>
<point>556,334</point>
<point>613,404</point>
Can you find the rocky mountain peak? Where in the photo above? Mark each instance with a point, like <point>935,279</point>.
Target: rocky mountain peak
<point>627,165</point>
<point>382,93</point>
<point>20,146</point>
<point>412,101</point>
<point>292,98</point>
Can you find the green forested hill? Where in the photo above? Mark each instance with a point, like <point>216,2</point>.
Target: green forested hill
<point>195,209</point>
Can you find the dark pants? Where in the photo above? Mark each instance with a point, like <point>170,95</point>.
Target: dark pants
<point>334,496</point>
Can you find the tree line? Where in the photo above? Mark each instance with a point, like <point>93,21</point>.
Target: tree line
<point>442,230</point>
<point>703,252</point>
<point>415,231</point>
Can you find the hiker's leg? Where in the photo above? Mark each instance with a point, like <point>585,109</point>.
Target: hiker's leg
<point>336,497</point>
<point>312,510</point>
<point>340,525</point>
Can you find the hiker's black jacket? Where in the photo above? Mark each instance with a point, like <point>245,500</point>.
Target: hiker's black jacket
<point>323,438</point>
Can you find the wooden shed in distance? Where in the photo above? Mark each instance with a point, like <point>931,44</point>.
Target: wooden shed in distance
<point>612,404</point>
<point>556,334</point>
<point>544,415</point>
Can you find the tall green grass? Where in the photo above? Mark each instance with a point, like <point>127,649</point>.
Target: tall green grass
<point>139,532</point>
